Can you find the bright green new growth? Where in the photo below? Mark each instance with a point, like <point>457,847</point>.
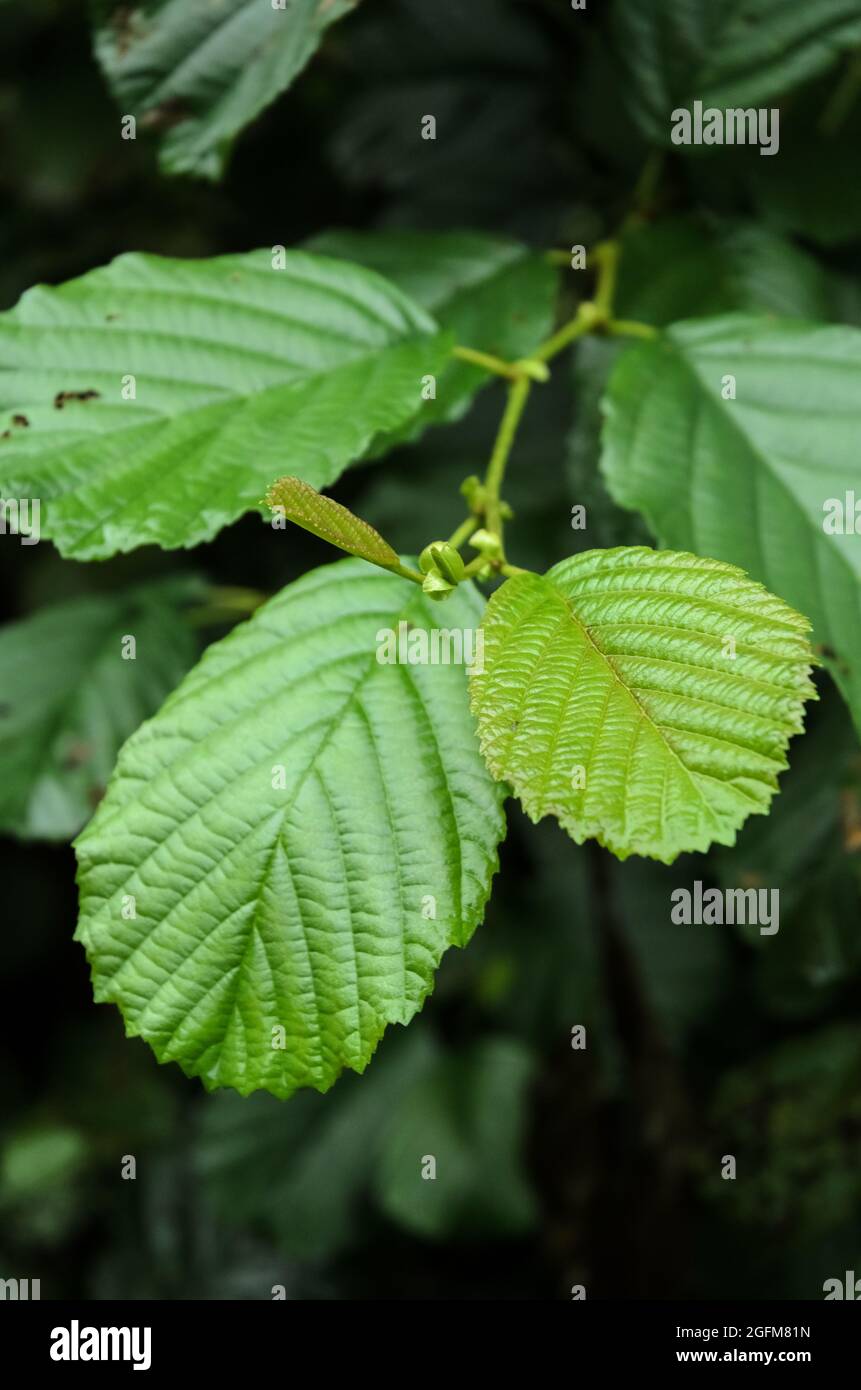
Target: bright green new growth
<point>644,698</point>
<point>326,518</point>
<point>303,830</point>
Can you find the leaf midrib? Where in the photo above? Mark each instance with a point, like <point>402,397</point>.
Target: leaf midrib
<point>643,712</point>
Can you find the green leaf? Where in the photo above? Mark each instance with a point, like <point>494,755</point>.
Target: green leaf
<point>288,825</point>
<point>237,368</point>
<point>610,698</point>
<point>739,54</point>
<point>606,523</point>
<point>59,737</point>
<point>199,71</point>
<point>492,294</point>
<point>748,480</point>
<point>326,518</point>
<point>680,268</point>
<point>468,1115</point>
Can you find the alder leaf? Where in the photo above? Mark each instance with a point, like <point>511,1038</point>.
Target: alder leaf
<point>68,698</point>
<point>301,832</point>
<point>326,518</point>
<point>200,70</point>
<point>611,698</point>
<point>161,397</point>
<point>737,437</point>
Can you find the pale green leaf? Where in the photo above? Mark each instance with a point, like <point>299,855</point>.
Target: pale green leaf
<point>239,370</point>
<point>749,480</point>
<point>304,829</point>
<point>68,699</point>
<point>201,70</point>
<point>611,700</point>
<point>326,518</point>
<point>735,54</point>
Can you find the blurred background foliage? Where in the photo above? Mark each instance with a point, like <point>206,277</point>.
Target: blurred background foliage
<point>556,1165</point>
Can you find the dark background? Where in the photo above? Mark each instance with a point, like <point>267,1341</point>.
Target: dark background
<point>599,1167</point>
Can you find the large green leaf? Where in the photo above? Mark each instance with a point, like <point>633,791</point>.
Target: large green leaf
<point>240,371</point>
<point>738,53</point>
<point>492,294</point>
<point>675,268</point>
<point>201,70</point>
<point>747,480</point>
<point>59,733</point>
<point>644,698</point>
<point>305,830</point>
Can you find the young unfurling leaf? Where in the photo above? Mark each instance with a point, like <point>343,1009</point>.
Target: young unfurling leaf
<point>326,518</point>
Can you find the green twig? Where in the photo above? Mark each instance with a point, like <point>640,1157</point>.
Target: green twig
<point>595,315</point>
<point>584,321</point>
<point>518,394</point>
<point>405,572</point>
<point>463,532</point>
<point>475,566</point>
<point>606,255</point>
<point>486,360</point>
<point>631,328</point>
